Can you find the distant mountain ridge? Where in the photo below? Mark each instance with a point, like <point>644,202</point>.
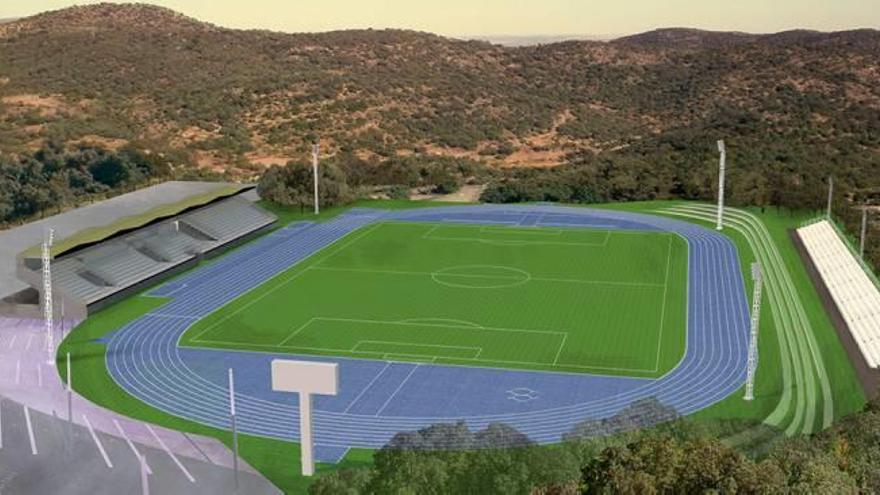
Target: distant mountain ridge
<point>244,99</point>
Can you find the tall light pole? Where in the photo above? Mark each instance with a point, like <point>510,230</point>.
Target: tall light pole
<point>757,277</point>
<point>234,427</point>
<point>47,294</point>
<point>721,170</point>
<point>864,231</point>
<point>830,196</point>
<point>315,150</point>
<point>69,405</point>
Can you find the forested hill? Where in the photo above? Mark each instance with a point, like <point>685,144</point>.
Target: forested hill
<point>114,74</point>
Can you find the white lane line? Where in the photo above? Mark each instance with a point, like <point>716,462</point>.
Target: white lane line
<point>29,342</point>
<point>12,340</point>
<point>398,389</point>
<point>171,454</point>
<point>366,388</point>
<point>163,315</point>
<point>30,428</point>
<point>97,442</point>
<point>134,449</point>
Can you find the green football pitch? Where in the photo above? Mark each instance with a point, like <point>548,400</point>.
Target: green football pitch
<point>574,300</point>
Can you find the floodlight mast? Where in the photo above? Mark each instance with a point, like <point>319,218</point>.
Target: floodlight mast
<point>47,294</point>
<point>721,170</point>
<point>864,231</point>
<point>757,277</point>
<point>316,148</point>
<point>234,427</point>
<point>830,196</point>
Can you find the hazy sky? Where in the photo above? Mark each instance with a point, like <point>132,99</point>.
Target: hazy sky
<point>512,17</point>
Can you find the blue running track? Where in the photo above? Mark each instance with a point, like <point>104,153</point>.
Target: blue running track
<point>378,398</point>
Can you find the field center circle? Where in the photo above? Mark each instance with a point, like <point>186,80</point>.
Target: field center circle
<point>481,277</point>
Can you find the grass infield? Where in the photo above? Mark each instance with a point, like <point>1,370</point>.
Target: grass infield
<point>575,300</point>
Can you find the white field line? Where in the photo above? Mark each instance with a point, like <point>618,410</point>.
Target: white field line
<point>521,229</point>
<point>471,222</point>
<point>171,454</point>
<point>559,352</point>
<point>434,325</point>
<point>352,403</point>
<point>97,442</point>
<point>297,331</point>
<point>397,389</point>
<point>409,358</point>
<point>663,308</point>
<point>475,349</point>
<point>30,430</point>
<point>282,283</point>
<point>240,347</point>
<point>515,242</point>
<point>500,277</point>
<point>486,363</point>
<point>131,445</point>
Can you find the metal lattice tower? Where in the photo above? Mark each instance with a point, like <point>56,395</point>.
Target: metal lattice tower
<point>757,277</point>
<point>722,166</point>
<point>315,150</point>
<point>47,292</point>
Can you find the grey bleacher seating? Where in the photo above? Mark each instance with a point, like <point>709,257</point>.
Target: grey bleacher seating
<point>229,219</point>
<point>97,272</point>
<point>169,246</point>
<point>122,266</point>
<point>66,276</point>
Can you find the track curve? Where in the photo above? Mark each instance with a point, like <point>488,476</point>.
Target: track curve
<point>379,399</point>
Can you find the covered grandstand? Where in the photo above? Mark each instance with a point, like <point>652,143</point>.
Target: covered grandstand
<point>851,294</point>
<point>108,250</point>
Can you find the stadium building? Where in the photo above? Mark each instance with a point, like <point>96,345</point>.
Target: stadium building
<point>105,251</point>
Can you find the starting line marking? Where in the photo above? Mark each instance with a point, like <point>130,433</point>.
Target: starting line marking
<point>387,365</point>
<point>397,389</point>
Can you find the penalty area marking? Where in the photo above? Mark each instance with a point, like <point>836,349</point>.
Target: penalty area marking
<point>475,349</point>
